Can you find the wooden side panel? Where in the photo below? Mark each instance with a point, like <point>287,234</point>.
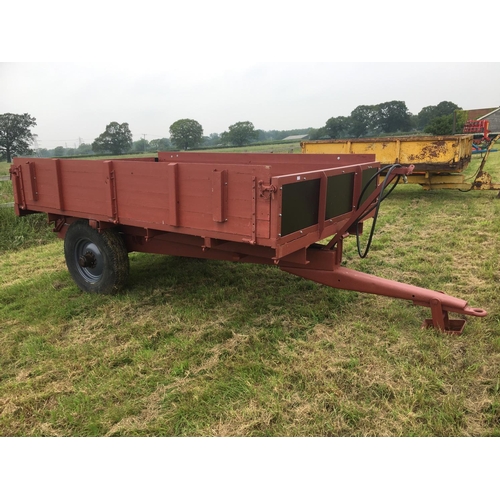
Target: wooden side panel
<point>195,198</point>
<point>78,183</point>
<point>83,185</point>
<point>197,202</point>
<point>142,192</point>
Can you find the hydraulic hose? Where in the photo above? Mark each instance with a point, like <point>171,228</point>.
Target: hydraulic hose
<point>381,198</point>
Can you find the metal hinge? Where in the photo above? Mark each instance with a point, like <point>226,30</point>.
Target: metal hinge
<point>270,188</point>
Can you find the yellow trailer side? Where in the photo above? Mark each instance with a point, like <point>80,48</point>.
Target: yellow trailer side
<point>428,153</point>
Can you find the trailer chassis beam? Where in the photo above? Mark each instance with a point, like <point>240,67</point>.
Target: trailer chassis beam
<point>347,279</point>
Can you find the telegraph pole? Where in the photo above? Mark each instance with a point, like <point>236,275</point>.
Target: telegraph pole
<point>35,143</point>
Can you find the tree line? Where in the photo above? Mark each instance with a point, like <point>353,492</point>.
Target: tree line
<point>392,117</point>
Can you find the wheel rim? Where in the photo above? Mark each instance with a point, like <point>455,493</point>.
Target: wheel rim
<point>89,260</point>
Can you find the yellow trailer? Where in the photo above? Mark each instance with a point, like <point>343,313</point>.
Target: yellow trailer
<point>439,160</point>
<point>449,153</point>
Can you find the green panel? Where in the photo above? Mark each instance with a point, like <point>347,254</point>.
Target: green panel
<point>300,205</point>
<point>365,177</point>
<point>339,194</point>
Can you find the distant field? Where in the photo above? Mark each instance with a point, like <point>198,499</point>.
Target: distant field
<point>4,168</point>
<point>289,147</point>
<point>195,348</point>
<point>5,191</point>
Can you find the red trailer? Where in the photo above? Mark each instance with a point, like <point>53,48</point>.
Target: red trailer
<point>259,208</point>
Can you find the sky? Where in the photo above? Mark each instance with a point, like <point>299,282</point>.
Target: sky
<point>280,65</point>
<point>73,102</point>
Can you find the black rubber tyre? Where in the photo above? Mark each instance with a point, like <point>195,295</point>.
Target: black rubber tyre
<point>97,262</point>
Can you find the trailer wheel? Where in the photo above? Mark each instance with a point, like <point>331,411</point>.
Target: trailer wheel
<point>97,262</point>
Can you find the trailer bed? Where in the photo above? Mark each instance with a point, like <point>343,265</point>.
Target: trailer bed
<point>268,200</point>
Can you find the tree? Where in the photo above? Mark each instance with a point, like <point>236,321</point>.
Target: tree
<point>428,113</point>
<point>240,133</point>
<point>15,135</point>
<point>393,116</point>
<point>59,151</point>
<point>116,139</point>
<point>140,146</point>
<point>316,134</point>
<point>443,125</point>
<point>363,120</point>
<point>262,135</point>
<point>162,144</point>
<point>337,127</point>
<point>211,140</point>
<point>460,119</point>
<point>186,133</point>
<point>84,149</point>
<point>425,116</point>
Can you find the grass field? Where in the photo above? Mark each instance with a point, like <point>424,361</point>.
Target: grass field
<point>195,348</point>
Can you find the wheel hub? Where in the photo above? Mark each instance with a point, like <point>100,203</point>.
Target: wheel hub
<point>87,260</point>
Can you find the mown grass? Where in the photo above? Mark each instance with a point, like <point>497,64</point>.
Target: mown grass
<point>195,348</point>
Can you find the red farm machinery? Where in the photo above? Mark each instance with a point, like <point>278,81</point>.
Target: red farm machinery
<point>289,211</point>
<point>479,129</point>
